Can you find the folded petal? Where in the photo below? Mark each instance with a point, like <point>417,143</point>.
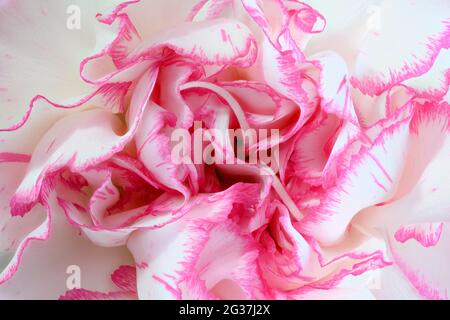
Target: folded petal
<point>60,147</point>
<point>153,141</point>
<point>173,75</point>
<point>291,262</point>
<point>64,255</point>
<point>334,87</point>
<point>421,194</point>
<point>285,71</point>
<point>286,256</point>
<point>227,265</point>
<point>264,108</point>
<point>165,270</point>
<point>414,220</point>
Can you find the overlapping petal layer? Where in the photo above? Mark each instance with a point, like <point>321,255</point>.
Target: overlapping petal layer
<point>357,186</point>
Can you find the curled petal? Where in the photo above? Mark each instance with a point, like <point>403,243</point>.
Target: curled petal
<point>153,140</point>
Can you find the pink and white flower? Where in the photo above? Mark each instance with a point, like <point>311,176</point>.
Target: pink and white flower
<point>357,90</point>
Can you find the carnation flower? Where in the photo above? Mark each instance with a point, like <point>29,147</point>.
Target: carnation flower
<point>224,149</point>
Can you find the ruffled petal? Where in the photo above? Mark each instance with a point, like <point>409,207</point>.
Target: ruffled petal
<point>55,260</point>
<point>368,178</point>
<point>61,147</point>
<point>361,32</point>
<point>154,145</point>
<point>232,44</point>
<point>226,265</point>
<point>285,23</point>
<point>434,84</point>
<point>334,87</point>
<point>164,271</point>
<point>23,61</point>
<point>376,71</point>
<point>173,75</point>
<point>414,220</point>
<point>286,256</point>
<point>293,263</point>
<point>421,194</point>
